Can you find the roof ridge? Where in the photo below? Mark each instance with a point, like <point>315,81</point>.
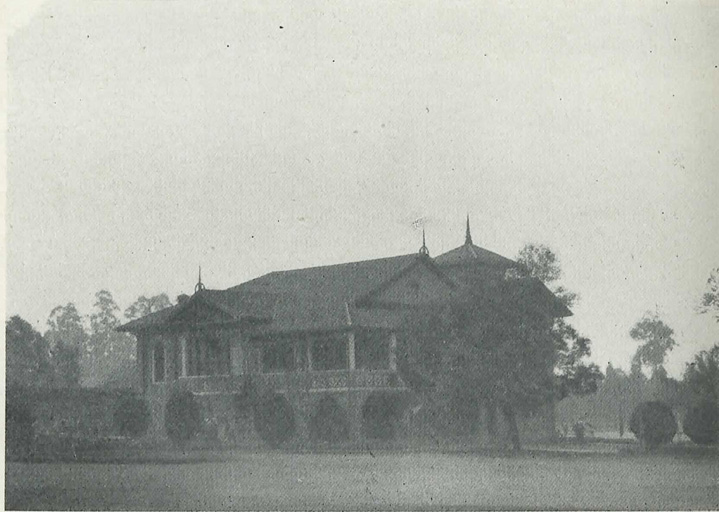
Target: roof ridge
<point>331,265</point>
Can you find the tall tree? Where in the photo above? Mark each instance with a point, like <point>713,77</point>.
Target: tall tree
<point>710,299</point>
<point>27,355</point>
<point>489,355</point>
<point>144,306</point>
<point>110,358</point>
<point>104,318</point>
<point>701,376</point>
<point>574,374</point>
<point>656,339</point>
<point>68,341</point>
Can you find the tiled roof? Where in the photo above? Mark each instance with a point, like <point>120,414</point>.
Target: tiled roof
<point>324,297</point>
<point>471,254</point>
<point>149,321</point>
<point>333,296</point>
<point>303,299</point>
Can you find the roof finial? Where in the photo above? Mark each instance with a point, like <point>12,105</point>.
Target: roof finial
<point>423,250</point>
<point>468,235</point>
<point>199,286</point>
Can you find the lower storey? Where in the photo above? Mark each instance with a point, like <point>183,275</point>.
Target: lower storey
<point>354,415</point>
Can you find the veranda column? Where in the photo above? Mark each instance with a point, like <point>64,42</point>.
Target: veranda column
<point>351,349</point>
<point>142,361</point>
<point>183,354</point>
<point>309,354</point>
<point>392,351</point>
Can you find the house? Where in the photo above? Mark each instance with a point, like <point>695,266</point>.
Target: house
<point>323,340</point>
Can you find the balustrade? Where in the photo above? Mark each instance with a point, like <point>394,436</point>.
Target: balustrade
<point>300,381</point>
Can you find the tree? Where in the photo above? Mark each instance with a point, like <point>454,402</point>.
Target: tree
<point>490,355</point>
<point>27,355</point>
<point>701,423</point>
<point>710,299</point>
<point>104,319</point>
<point>110,355</point>
<point>574,374</point>
<point>68,341</point>
<point>144,306</point>
<point>701,376</point>
<point>656,339</point>
<point>540,262</point>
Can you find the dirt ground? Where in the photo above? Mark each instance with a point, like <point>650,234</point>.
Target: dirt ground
<point>277,480</point>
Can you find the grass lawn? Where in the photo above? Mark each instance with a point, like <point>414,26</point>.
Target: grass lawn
<point>277,480</point>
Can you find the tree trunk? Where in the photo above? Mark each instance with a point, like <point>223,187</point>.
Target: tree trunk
<point>491,420</point>
<point>511,418</point>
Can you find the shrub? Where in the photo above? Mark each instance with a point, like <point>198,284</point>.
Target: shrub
<point>182,416</point>
<point>19,432</point>
<point>274,420</point>
<point>701,424</point>
<point>244,402</point>
<point>653,424</point>
<point>131,416</point>
<point>380,415</point>
<point>329,422</point>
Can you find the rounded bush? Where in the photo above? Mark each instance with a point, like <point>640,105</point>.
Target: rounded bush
<point>244,402</point>
<point>701,424</point>
<point>19,432</point>
<point>653,424</point>
<point>380,415</point>
<point>182,416</point>
<point>274,420</point>
<point>329,422</point>
<point>131,416</point>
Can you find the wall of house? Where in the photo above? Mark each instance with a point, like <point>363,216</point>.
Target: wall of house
<point>216,395</point>
<point>177,368</point>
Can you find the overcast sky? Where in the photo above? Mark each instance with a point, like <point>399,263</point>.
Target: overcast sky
<point>145,138</point>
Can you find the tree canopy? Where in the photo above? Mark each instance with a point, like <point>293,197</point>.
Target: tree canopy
<point>68,341</point>
<point>490,356</point>
<point>656,340</point>
<point>110,358</point>
<point>574,374</point>
<point>146,305</point>
<point>701,376</point>
<point>28,360</point>
<point>710,299</point>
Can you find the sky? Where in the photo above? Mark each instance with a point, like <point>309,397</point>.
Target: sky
<point>146,138</point>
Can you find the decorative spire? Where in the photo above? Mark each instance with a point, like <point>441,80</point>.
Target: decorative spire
<point>423,250</point>
<point>468,235</point>
<point>199,286</point>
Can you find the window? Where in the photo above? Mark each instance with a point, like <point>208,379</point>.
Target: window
<point>330,353</point>
<point>158,363</point>
<point>371,350</point>
<point>277,357</point>
<point>207,355</point>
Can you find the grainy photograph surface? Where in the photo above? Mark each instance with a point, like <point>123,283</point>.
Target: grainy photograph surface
<point>440,255</point>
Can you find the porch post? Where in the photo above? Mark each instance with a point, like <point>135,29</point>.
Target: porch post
<point>351,349</point>
<point>309,354</point>
<point>183,354</point>
<point>142,361</point>
<point>393,351</point>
